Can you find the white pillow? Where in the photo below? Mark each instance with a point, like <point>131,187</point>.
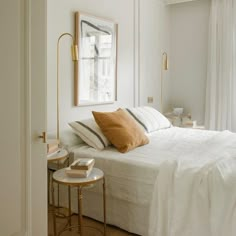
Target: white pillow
<point>68,138</point>
<point>149,118</point>
<point>90,133</point>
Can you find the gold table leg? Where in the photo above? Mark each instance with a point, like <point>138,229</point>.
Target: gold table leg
<point>53,211</point>
<point>80,218</point>
<point>58,198</point>
<point>48,187</point>
<point>104,206</point>
<point>69,201</point>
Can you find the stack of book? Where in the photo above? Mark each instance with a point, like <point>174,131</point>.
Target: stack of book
<point>52,146</point>
<point>80,168</point>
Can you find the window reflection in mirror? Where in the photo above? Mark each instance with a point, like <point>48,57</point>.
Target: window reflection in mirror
<point>97,60</point>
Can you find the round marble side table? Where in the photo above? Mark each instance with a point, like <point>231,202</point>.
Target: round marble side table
<point>61,177</point>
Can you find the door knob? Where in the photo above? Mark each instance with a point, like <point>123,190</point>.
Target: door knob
<point>44,137</point>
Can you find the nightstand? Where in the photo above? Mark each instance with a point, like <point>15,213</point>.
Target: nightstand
<point>61,177</point>
<point>179,120</point>
<point>56,160</point>
<point>183,120</point>
<point>191,124</point>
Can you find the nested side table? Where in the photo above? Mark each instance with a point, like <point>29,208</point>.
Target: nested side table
<point>54,163</point>
<point>61,177</point>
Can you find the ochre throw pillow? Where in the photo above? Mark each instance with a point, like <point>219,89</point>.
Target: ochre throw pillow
<point>121,129</point>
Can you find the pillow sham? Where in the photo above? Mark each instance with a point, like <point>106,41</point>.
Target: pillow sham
<point>68,139</point>
<point>121,130</point>
<point>90,133</point>
<point>149,118</point>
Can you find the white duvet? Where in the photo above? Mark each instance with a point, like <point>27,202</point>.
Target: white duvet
<point>185,178</point>
<point>195,194</point>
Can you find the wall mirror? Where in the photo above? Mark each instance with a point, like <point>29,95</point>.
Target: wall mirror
<point>95,71</point>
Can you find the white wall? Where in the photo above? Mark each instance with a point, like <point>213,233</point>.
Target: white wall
<point>188,61</point>
<point>61,19</point>
<point>154,40</point>
<point>146,36</point>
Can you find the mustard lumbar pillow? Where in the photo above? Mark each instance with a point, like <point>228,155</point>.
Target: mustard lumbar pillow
<point>121,129</point>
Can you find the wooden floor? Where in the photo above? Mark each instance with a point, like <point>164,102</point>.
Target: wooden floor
<point>111,231</point>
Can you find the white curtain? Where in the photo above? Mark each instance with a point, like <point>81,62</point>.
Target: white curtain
<point>221,78</point>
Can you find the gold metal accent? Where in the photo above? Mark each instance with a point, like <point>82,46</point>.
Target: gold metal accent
<point>74,52</point>
<point>164,66</point>
<point>116,71</point>
<point>44,137</point>
<point>79,187</point>
<point>104,207</point>
<point>53,210</point>
<point>76,64</point>
<point>69,197</point>
<point>80,218</point>
<point>74,55</point>
<point>165,61</point>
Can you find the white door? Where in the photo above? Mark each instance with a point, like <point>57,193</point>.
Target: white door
<point>23,169</point>
<point>37,163</point>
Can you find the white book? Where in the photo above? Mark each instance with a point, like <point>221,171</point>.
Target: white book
<point>78,173</point>
<point>83,164</point>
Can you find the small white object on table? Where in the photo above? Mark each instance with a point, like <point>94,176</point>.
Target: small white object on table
<point>178,120</point>
<point>183,120</point>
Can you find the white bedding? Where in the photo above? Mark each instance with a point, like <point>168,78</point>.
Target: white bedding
<point>195,194</point>
<point>183,179</point>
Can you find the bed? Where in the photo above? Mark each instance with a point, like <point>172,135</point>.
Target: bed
<point>183,183</point>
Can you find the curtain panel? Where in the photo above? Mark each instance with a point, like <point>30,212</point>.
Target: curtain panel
<point>221,76</point>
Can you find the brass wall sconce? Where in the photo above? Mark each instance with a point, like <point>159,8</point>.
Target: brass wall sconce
<point>164,67</point>
<point>74,56</point>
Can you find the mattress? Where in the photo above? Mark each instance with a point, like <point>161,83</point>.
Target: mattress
<point>131,178</point>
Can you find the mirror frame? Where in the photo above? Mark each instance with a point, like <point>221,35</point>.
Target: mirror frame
<point>77,41</point>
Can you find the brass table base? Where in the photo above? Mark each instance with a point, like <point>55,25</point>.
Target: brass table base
<point>80,226</point>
